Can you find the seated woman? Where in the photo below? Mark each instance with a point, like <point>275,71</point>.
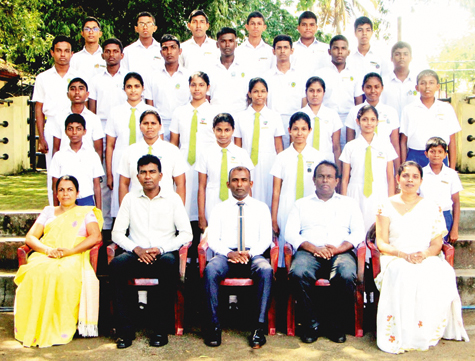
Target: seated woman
<point>419,302</point>
<point>58,282</point>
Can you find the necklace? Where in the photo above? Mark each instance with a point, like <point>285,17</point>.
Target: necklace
<point>408,206</point>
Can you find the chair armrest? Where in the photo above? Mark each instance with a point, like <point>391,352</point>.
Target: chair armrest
<point>202,250</point>
<point>94,255</point>
<point>22,254</point>
<point>183,255</point>
<point>111,252</point>
<point>274,255</point>
<point>449,252</point>
<point>374,258</point>
<point>360,265</point>
<point>288,253</point>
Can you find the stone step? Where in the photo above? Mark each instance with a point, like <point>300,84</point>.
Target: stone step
<point>467,220</point>
<point>7,288</point>
<point>466,286</point>
<point>16,224</point>
<point>465,252</point>
<point>8,251</point>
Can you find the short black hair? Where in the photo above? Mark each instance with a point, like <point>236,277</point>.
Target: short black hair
<point>147,14</point>
<point>337,38</point>
<point>69,178</point>
<point>428,72</point>
<point>435,142</point>
<point>133,75</point>
<point>315,79</point>
<point>300,116</point>
<point>78,80</point>
<point>372,75</point>
<point>307,15</point>
<point>223,117</point>
<point>363,20</point>
<point>409,163</point>
<point>239,168</point>
<point>282,37</point>
<point>90,18</point>
<point>199,74</point>
<point>113,41</point>
<point>225,30</point>
<point>400,45</point>
<point>255,14</point>
<point>197,12</point>
<point>328,163</point>
<point>152,112</point>
<point>256,80</point>
<point>147,159</point>
<point>75,118</point>
<point>62,39</point>
<point>169,37</point>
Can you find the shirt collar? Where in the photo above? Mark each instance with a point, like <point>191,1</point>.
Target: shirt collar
<point>428,170</point>
<point>315,42</point>
<point>335,196</point>
<point>98,51</point>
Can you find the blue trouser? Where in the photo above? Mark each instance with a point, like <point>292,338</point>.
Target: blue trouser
<point>219,268</point>
<point>86,201</point>
<point>340,270</point>
<point>419,157</point>
<point>449,221</point>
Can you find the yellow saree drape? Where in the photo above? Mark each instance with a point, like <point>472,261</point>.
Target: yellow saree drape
<point>49,293</point>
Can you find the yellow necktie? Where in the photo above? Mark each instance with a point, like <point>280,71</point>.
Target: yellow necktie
<point>149,149</point>
<point>193,130</point>
<point>299,187</point>
<point>132,125</point>
<point>223,189</point>
<point>368,173</point>
<point>316,133</point>
<point>255,139</point>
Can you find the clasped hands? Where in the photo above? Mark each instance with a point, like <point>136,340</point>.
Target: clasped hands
<point>414,258</point>
<point>242,257</point>
<point>57,252</point>
<point>326,252</point>
<point>147,255</point>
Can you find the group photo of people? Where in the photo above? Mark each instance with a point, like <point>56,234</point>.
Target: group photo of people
<point>302,147</point>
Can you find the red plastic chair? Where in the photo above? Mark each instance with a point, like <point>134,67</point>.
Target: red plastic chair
<point>322,282</point>
<point>146,282</point>
<point>274,257</point>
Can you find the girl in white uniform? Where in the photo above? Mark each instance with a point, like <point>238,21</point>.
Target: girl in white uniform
<point>180,135</point>
<point>355,157</point>
<point>270,135</point>
<point>209,166</point>
<point>118,132</point>
<point>285,169</point>
<point>329,121</point>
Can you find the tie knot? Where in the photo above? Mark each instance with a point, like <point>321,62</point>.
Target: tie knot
<point>240,204</point>
<point>300,156</point>
<point>133,110</point>
<point>224,150</point>
<point>195,111</point>
<point>316,119</point>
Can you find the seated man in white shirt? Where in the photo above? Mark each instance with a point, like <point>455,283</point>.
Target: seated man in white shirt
<point>323,229</point>
<point>239,252</point>
<point>158,226</point>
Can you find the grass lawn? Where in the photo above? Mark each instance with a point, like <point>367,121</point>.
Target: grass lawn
<point>467,196</point>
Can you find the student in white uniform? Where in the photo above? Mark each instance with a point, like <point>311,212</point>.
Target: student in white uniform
<point>173,164</point>
<point>293,175</point>
<point>324,137</point>
<point>286,83</point>
<point>259,131</point>
<point>89,62</point>
<point>368,170</point>
<point>167,88</point>
<point>255,54</point>
<point>388,121</point>
<point>122,130</point>
<point>213,167</point>
<point>199,50</point>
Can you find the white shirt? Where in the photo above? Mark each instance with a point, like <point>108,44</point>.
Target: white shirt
<point>398,94</point>
<point>223,228</point>
<point>387,117</point>
<point>419,123</point>
<point>308,59</point>
<point>87,64</point>
<point>330,123</point>
<point>286,91</point>
<point>257,59</point>
<point>152,222</point>
<point>142,60</point>
<point>439,188</point>
<point>171,160</point>
<point>168,92</point>
<point>228,87</point>
<point>93,128</point>
<point>372,62</point>
<point>108,91</point>
<point>341,88</point>
<point>318,222</point>
<point>85,165</point>
<point>195,57</point>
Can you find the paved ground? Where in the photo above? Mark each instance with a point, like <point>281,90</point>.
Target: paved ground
<point>190,347</point>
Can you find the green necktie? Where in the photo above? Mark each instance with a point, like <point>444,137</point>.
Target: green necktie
<point>368,173</point>
<point>149,149</point>
<point>223,189</point>
<point>193,130</point>
<point>299,187</point>
<point>316,133</point>
<point>132,125</point>
<point>255,139</point>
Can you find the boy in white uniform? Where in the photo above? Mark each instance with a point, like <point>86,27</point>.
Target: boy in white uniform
<point>167,88</point>
<point>80,161</point>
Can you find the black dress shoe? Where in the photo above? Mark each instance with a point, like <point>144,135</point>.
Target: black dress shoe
<point>123,342</point>
<point>337,337</point>
<point>158,340</point>
<point>213,339</point>
<point>310,335</point>
<point>258,339</point>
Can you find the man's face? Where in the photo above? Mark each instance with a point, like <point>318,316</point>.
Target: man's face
<point>145,27</point>
<point>75,132</point>
<point>91,32</point>
<point>256,27</point>
<point>240,184</point>
<point>77,93</point>
<point>401,58</point>
<point>198,26</point>
<point>363,34</point>
<point>62,53</point>
<point>339,52</point>
<point>227,44</point>
<point>149,177</point>
<point>325,180</point>
<point>283,50</point>
<point>307,28</point>
<point>112,54</point>
<point>171,52</point>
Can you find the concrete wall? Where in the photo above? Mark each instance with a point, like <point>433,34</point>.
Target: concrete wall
<point>465,111</point>
<point>17,131</point>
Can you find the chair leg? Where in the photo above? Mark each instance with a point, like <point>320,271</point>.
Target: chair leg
<point>291,316</point>
<point>359,310</point>
<point>179,312</point>
<point>271,317</point>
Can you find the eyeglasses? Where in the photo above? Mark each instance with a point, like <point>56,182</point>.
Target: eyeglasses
<point>95,29</point>
<point>146,24</point>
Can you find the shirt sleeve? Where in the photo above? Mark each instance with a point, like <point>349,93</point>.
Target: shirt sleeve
<point>393,118</point>
<point>357,230</point>
<point>175,123</point>
<point>55,167</point>
<point>124,164</point>
<point>350,121</point>
<point>201,165</point>
<point>237,130</point>
<point>214,231</point>
<point>292,228</point>
<point>93,88</point>
<point>345,156</point>
<point>404,122</point>
<point>45,215</point>
<point>97,131</point>
<point>456,185</point>
<point>90,218</point>
<point>39,92</point>
<point>98,170</point>
<point>182,225</point>
<point>121,225</point>
<point>335,118</point>
<point>276,169</point>
<point>279,128</point>
<point>181,165</point>
<point>110,125</point>
<point>265,232</point>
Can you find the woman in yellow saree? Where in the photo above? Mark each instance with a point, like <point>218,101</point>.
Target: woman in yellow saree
<point>58,291</point>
